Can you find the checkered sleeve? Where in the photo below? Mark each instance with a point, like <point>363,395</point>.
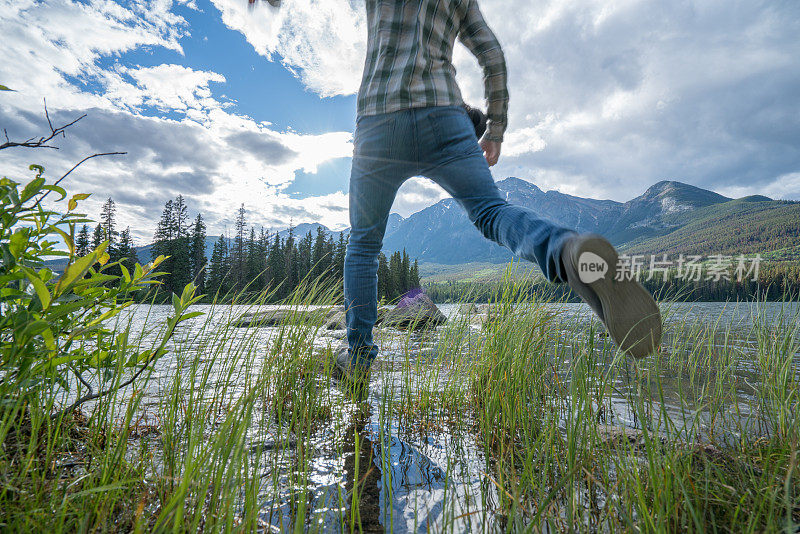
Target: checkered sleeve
<point>476,35</point>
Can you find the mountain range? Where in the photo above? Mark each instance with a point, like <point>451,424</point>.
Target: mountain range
<point>670,217</point>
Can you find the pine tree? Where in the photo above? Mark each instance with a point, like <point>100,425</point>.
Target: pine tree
<point>180,262</point>
<point>197,253</point>
<point>125,252</point>
<point>107,221</point>
<point>414,275</point>
<point>263,247</point>
<point>318,255</point>
<point>239,256</point>
<point>396,277</point>
<point>330,249</point>
<point>82,243</point>
<point>163,232</point>
<point>291,262</point>
<point>162,244</point>
<point>385,289</point>
<point>179,218</point>
<point>405,270</point>
<point>171,240</point>
<point>97,236</point>
<point>218,268</point>
<point>255,262</point>
<point>304,248</point>
<point>338,257</point>
<point>277,266</point>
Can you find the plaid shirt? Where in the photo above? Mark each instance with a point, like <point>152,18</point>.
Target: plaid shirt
<point>409,58</point>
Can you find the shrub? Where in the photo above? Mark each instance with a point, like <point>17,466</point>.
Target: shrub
<point>54,329</point>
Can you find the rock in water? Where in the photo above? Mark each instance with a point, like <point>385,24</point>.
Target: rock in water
<point>416,311</point>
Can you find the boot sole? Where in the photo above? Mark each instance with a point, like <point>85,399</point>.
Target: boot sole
<point>630,313</point>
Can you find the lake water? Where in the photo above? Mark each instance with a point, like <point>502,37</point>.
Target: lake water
<point>415,478</point>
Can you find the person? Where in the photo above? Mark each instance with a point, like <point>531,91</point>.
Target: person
<point>411,121</point>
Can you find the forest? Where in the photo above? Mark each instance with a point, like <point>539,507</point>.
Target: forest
<point>247,264</point>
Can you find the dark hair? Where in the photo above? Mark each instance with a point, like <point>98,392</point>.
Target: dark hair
<point>478,119</point>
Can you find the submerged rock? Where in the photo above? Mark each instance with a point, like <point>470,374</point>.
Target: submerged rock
<point>336,321</point>
<point>416,311</point>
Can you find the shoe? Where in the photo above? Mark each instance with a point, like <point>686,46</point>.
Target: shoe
<point>626,308</point>
<point>346,365</point>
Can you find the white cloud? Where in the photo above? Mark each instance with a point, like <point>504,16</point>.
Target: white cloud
<point>166,87</point>
<point>610,97</point>
<point>607,97</point>
<point>324,42</point>
<point>784,187</point>
<point>214,157</point>
<point>416,194</point>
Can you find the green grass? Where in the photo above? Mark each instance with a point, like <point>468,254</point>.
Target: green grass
<point>529,411</point>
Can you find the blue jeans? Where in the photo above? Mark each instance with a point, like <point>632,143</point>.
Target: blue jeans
<point>438,143</point>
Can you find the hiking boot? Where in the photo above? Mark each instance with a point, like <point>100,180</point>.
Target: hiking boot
<point>347,365</point>
<point>626,308</point>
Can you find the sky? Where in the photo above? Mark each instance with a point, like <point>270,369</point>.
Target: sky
<point>228,105</point>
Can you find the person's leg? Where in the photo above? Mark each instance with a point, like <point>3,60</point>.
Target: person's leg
<point>380,165</point>
<point>453,159</point>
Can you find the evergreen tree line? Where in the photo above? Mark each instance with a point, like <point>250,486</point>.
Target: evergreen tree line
<point>257,261</point>
<point>249,262</point>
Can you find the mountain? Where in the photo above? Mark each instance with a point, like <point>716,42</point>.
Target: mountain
<point>669,216</point>
<point>746,225</point>
<point>659,210</point>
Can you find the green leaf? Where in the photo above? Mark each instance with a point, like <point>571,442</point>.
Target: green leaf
<point>33,187</point>
<point>18,242</point>
<point>191,315</point>
<point>35,327</point>
<point>38,168</point>
<point>55,189</point>
<point>75,272</point>
<point>62,360</point>
<point>49,340</point>
<point>66,237</point>
<point>4,88</point>
<point>40,287</point>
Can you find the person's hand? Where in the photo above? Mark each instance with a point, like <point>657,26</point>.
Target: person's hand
<point>491,151</point>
